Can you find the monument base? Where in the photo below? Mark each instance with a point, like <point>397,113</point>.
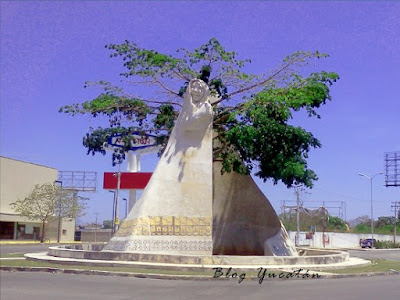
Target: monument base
<point>91,254</point>
<point>162,244</point>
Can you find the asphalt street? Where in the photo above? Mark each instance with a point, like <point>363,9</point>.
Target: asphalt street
<point>24,248</point>
<point>35,286</point>
<point>28,285</point>
<point>376,254</point>
<point>42,286</point>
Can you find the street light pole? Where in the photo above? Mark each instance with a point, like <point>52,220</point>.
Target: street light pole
<point>113,213</point>
<point>372,207</point>
<point>59,211</point>
<point>126,207</point>
<point>95,228</point>
<point>118,175</point>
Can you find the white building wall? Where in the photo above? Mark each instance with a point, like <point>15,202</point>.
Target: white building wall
<point>18,179</point>
<point>336,239</point>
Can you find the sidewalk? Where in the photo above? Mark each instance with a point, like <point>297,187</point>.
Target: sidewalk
<point>29,242</point>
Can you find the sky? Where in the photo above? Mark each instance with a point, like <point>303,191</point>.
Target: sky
<point>50,48</point>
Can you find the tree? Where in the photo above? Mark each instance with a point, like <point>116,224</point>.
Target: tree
<point>47,202</point>
<point>252,113</point>
<point>360,220</point>
<point>107,224</point>
<point>384,221</point>
<point>308,218</point>
<point>336,223</point>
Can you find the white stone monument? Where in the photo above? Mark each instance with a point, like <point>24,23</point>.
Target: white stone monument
<point>188,207</point>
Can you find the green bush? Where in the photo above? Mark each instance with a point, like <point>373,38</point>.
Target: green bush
<point>362,228</point>
<point>381,229</point>
<point>386,245</point>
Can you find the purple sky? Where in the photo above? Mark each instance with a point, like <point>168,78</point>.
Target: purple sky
<point>49,49</point>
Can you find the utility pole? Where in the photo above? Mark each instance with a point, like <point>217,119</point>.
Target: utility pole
<point>396,208</point>
<point>60,199</point>
<point>297,192</point>
<point>95,228</point>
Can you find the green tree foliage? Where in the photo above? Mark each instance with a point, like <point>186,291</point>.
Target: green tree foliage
<point>107,224</point>
<point>384,221</point>
<point>48,201</point>
<point>318,221</point>
<point>362,228</point>
<point>337,224</point>
<point>252,115</point>
<point>384,225</point>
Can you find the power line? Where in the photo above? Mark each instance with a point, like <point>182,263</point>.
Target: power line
<point>336,194</point>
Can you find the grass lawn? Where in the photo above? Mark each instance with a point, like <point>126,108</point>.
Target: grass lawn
<point>206,272</point>
<point>10,255</point>
<point>376,266</point>
<point>29,263</point>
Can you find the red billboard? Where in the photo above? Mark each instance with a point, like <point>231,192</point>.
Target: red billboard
<point>129,181</point>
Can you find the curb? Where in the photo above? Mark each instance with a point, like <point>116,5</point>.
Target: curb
<point>337,276</point>
<point>104,273</point>
<point>42,256</point>
<point>178,277</point>
<point>386,249</point>
<point>21,243</point>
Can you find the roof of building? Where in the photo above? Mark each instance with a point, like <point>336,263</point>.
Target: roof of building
<point>27,162</point>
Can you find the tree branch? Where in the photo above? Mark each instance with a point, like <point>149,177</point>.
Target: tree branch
<point>276,73</point>
<point>166,88</point>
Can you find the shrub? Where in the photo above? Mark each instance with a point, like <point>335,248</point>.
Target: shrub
<point>386,245</point>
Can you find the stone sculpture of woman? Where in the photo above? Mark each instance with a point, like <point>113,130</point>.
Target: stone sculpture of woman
<point>174,213</point>
<point>188,206</point>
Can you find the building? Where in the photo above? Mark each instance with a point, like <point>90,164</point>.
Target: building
<point>18,179</point>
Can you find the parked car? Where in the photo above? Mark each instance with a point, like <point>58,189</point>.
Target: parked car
<point>367,243</point>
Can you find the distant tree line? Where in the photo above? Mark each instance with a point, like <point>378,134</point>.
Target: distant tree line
<point>384,225</point>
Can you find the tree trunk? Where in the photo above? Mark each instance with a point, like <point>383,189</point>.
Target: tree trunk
<point>43,231</point>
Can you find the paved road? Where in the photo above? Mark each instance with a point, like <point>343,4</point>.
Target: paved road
<point>42,286</point>
<point>26,248</point>
<point>376,254</point>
